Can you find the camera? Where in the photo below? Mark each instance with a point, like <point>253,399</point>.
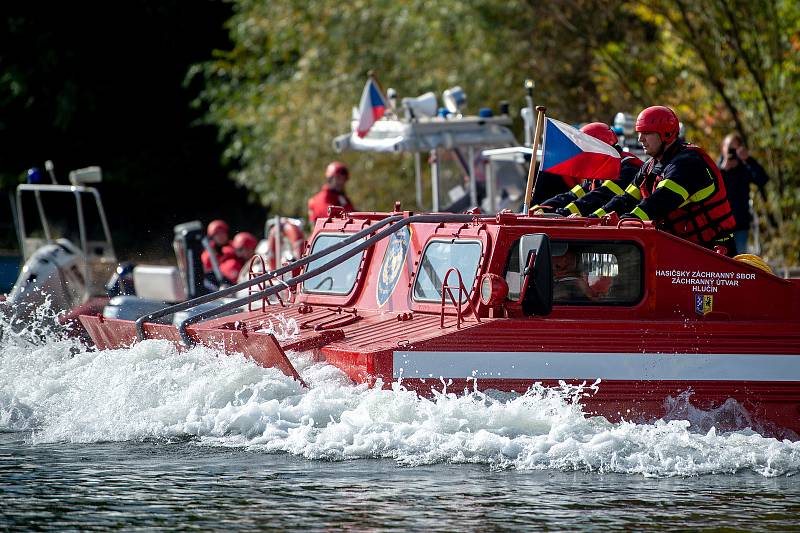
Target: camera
<point>731,153</point>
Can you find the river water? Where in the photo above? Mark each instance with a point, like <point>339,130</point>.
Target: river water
<point>148,438</point>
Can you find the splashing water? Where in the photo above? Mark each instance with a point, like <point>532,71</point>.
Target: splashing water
<point>27,324</point>
<point>59,391</point>
<point>283,328</point>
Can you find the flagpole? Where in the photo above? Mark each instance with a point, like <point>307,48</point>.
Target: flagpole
<point>526,205</point>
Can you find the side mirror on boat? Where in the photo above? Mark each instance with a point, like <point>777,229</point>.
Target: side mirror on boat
<point>536,297</point>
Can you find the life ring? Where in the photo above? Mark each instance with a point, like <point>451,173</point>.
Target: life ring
<point>292,241</point>
<point>754,260</point>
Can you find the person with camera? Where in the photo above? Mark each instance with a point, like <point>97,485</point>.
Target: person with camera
<point>739,171</point>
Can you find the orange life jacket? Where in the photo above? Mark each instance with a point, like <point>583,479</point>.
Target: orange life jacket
<point>701,222</point>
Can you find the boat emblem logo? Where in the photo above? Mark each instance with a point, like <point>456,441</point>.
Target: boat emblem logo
<point>703,303</point>
<point>392,264</point>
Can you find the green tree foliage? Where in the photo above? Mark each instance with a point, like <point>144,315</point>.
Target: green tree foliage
<point>287,86</point>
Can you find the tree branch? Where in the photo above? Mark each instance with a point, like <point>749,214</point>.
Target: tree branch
<point>745,57</point>
<point>719,86</point>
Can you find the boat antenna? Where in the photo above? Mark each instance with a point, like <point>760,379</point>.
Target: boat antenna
<point>51,169</point>
<point>529,85</point>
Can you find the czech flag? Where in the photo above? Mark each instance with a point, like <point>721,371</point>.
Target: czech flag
<point>567,151</point>
<point>371,108</point>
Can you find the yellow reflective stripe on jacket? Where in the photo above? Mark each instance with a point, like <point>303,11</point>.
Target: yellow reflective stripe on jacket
<point>573,208</point>
<point>639,212</point>
<point>702,194</point>
<point>600,212</point>
<point>634,191</point>
<point>613,187</point>
<point>578,191</point>
<point>674,187</point>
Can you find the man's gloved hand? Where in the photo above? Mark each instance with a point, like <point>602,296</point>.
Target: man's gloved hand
<point>563,211</point>
<point>628,215</point>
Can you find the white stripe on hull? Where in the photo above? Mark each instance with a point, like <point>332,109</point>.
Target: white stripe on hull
<point>609,366</point>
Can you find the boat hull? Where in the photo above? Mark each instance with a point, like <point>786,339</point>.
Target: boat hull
<point>727,391</point>
<point>669,328</point>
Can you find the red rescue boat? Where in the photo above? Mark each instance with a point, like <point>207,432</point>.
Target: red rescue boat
<point>501,302</point>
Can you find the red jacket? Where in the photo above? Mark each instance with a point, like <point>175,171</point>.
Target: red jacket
<point>318,204</point>
<point>230,267</point>
<point>222,254</point>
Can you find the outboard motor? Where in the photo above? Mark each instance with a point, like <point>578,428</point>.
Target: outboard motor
<point>188,244</point>
<point>54,271</point>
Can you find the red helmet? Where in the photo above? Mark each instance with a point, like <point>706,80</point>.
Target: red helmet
<point>216,226</point>
<point>601,131</point>
<point>244,240</point>
<point>336,167</point>
<point>659,119</point>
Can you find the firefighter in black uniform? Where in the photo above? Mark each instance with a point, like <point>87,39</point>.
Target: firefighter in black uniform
<point>584,198</point>
<point>680,188</point>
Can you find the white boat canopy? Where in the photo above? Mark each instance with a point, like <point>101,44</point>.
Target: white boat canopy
<point>430,134</point>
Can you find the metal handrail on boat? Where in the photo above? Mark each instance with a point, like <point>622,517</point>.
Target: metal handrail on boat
<point>222,293</point>
<point>323,268</point>
<point>447,290</point>
<point>260,286</point>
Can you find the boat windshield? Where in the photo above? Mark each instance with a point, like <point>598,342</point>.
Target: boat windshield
<point>439,257</point>
<point>338,280</point>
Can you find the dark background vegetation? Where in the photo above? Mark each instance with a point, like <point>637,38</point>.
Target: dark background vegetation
<point>103,83</point>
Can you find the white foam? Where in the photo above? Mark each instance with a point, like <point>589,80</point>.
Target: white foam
<point>152,391</point>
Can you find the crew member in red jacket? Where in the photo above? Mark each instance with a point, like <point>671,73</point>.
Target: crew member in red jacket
<point>244,246</point>
<point>680,189</point>
<point>217,233</point>
<point>332,192</point>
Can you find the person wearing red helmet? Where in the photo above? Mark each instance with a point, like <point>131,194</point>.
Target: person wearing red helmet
<point>680,189</point>
<point>584,198</point>
<point>217,233</point>
<point>332,192</point>
<point>244,247</point>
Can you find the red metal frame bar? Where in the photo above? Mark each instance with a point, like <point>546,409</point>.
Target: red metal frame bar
<point>456,303</point>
